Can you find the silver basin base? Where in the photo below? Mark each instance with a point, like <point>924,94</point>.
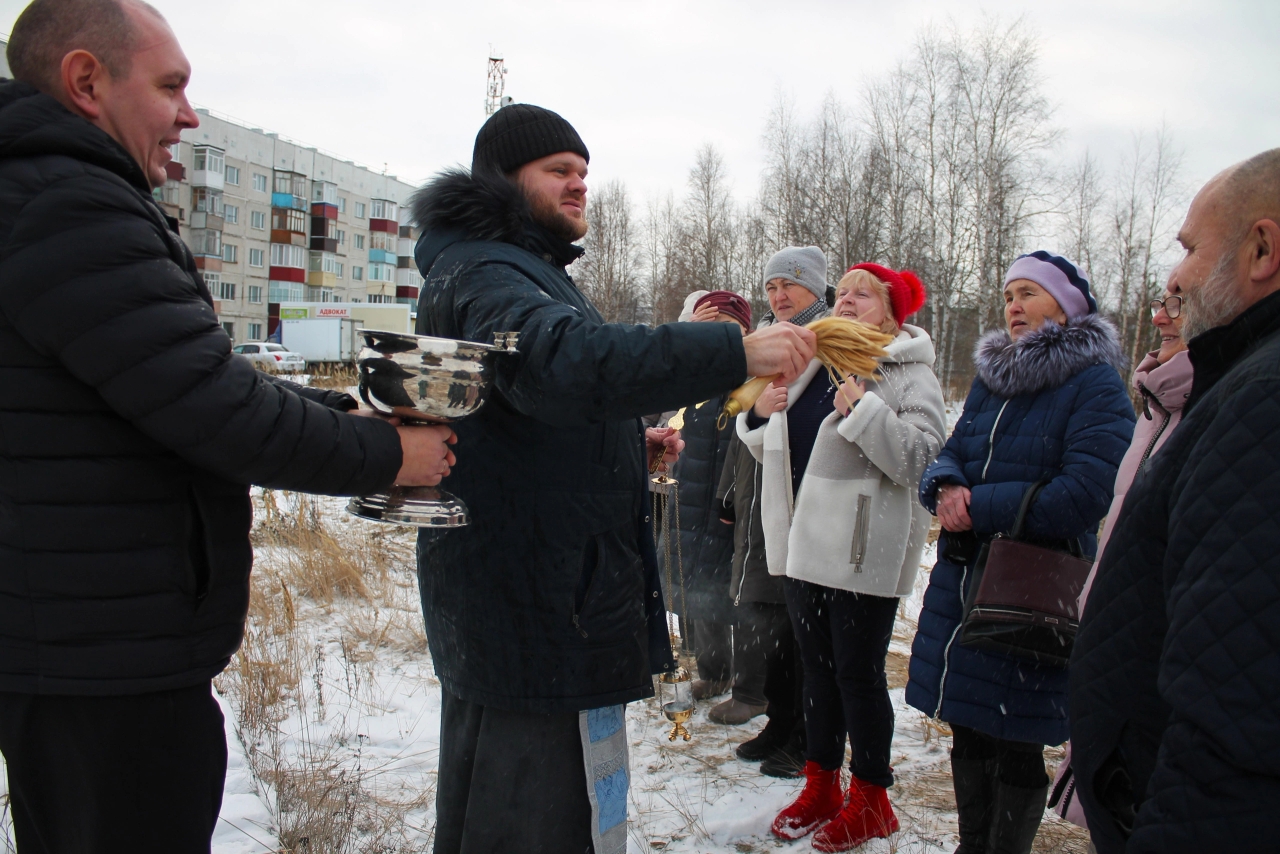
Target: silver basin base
<point>415,506</point>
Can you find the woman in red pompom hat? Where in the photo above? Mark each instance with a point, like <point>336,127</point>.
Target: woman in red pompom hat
<point>850,551</point>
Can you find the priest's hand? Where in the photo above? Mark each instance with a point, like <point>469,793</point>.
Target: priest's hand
<point>782,350</point>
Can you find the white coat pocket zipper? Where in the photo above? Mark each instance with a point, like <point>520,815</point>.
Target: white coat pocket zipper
<point>861,532</point>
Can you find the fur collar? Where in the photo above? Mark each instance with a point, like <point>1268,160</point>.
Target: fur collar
<point>485,206</point>
<point>1048,357</point>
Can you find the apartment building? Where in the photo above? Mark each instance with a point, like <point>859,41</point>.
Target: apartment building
<point>271,220</point>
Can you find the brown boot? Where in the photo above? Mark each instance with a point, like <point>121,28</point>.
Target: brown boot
<point>734,712</point>
<point>705,689</point>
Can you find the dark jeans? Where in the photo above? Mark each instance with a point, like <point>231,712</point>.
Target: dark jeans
<point>1018,763</point>
<point>90,775</point>
<point>713,646</point>
<point>510,781</point>
<point>766,666</point>
<point>844,639</point>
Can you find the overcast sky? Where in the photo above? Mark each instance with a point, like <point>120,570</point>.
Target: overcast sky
<point>646,82</point>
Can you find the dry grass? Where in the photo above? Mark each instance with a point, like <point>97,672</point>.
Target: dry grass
<point>334,376</point>
<point>324,793</point>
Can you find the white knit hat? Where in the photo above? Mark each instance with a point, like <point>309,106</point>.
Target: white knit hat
<point>686,313</point>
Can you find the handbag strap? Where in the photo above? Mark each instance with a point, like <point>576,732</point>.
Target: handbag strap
<point>1020,523</point>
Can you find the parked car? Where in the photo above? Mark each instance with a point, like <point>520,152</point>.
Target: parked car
<point>271,357</point>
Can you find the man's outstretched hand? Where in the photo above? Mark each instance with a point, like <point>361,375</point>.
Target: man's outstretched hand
<point>782,350</point>
<point>427,458</point>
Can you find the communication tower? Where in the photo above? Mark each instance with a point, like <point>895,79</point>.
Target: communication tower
<point>495,99</point>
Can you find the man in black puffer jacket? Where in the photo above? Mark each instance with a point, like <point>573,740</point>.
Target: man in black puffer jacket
<point>540,610</point>
<point>129,436</point>
<point>1175,675</point>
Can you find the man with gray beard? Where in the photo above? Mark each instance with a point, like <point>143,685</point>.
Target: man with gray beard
<point>1175,676</point>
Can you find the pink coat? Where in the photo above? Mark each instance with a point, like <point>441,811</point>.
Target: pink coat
<point>1164,390</point>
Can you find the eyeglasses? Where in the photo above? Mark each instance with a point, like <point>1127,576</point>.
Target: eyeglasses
<point>1172,306</point>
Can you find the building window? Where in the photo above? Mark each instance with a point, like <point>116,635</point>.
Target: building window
<point>382,209</point>
<point>258,220</point>
<point>255,296</point>
<point>230,253</point>
<point>359,210</point>
<point>230,329</point>
<point>382,273</point>
<point>342,204</point>
<point>255,257</point>
<point>337,268</point>
<point>259,182</point>
<point>255,329</point>
<point>359,238</point>
<point>205,200</point>
<point>285,291</point>
<point>357,273</point>
<point>212,281</point>
<point>226,290</point>
<point>382,240</point>
<point>288,219</point>
<point>233,175</point>
<point>323,262</point>
<point>288,255</point>
<point>231,213</point>
<point>323,191</point>
<point>206,241</point>
<point>342,237</point>
<point>209,160</point>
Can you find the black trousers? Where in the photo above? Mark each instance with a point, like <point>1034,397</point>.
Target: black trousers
<point>1017,763</point>
<point>766,663</point>
<point>844,639</point>
<point>712,645</point>
<point>510,781</point>
<point>92,775</point>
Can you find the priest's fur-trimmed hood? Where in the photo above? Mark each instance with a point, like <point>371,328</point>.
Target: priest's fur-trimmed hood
<point>1047,357</point>
<point>458,205</point>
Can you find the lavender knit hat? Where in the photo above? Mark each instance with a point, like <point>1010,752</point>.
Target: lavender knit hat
<point>1061,278</point>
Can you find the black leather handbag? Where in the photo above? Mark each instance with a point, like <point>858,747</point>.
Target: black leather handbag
<point>1023,597</point>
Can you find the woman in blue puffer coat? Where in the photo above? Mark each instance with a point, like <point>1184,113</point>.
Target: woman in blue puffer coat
<point>1047,403</point>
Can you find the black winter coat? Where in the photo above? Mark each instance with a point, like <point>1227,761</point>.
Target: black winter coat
<point>738,500</point>
<point>706,542</point>
<point>540,604</point>
<point>1175,676</point>
<point>128,431</point>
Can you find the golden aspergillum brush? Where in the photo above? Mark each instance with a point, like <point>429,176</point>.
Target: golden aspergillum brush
<point>844,347</point>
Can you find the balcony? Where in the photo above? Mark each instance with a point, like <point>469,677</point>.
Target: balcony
<point>388,226</point>
<point>206,241</point>
<point>325,192</point>
<point>210,168</point>
<point>287,274</point>
<point>382,256</point>
<point>288,200</point>
<point>201,219</point>
<point>285,291</point>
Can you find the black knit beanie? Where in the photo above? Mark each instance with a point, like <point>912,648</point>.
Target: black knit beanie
<point>521,133</point>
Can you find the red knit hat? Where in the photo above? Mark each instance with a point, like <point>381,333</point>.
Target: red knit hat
<point>906,291</point>
<point>727,302</point>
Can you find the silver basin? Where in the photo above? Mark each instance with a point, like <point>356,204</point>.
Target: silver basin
<point>423,379</point>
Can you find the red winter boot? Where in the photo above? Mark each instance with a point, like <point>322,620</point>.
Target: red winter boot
<point>820,800</point>
<point>867,815</point>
